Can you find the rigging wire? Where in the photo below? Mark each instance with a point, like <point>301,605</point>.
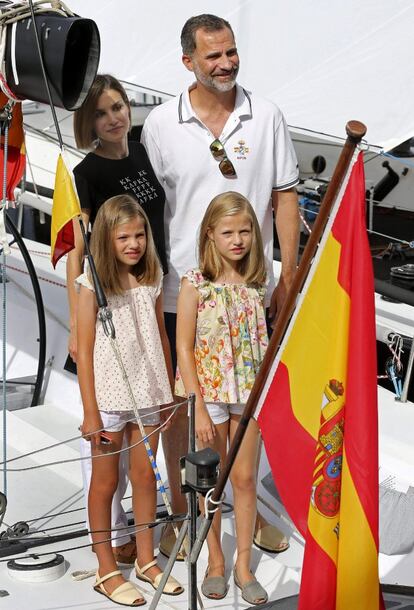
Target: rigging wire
<point>5,121</point>
<point>32,537</point>
<point>410,244</point>
<point>80,459</point>
<point>84,546</point>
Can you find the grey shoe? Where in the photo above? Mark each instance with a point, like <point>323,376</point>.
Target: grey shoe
<point>252,592</point>
<point>214,587</point>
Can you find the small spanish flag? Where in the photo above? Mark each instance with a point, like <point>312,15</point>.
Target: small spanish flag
<point>65,207</point>
<point>16,153</point>
<point>318,415</point>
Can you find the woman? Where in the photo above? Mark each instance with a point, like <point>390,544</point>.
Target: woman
<point>112,166</point>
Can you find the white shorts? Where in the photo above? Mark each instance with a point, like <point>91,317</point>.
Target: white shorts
<point>115,421</point>
<point>220,411</point>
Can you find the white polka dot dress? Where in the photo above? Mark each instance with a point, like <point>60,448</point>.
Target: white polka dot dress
<point>140,347</point>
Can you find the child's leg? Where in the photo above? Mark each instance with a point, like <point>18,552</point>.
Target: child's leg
<point>119,517</point>
<point>216,560</point>
<point>103,484</point>
<point>144,495</point>
<point>243,480</point>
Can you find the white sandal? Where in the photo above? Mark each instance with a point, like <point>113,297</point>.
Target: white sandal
<point>172,586</point>
<point>126,594</point>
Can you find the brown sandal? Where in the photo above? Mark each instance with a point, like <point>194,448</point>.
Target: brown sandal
<point>126,553</point>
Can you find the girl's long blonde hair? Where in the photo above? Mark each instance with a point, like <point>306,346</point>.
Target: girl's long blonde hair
<point>252,267</point>
<point>116,211</point>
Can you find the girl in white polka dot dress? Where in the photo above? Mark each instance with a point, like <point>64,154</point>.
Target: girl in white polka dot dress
<point>124,253</point>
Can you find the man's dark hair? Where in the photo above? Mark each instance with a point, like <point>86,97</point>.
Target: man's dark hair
<point>209,23</point>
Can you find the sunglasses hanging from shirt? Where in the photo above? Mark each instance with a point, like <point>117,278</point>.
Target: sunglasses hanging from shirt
<point>226,166</point>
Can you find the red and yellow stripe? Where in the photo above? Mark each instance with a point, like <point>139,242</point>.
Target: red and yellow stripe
<point>66,206</point>
<point>16,153</point>
<point>302,421</point>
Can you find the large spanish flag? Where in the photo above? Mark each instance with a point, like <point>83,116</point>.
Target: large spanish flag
<point>66,206</point>
<point>16,153</point>
<point>318,415</point>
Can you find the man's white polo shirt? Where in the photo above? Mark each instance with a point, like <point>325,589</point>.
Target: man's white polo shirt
<point>257,142</point>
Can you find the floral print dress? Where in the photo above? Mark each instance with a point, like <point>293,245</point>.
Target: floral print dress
<point>231,339</point>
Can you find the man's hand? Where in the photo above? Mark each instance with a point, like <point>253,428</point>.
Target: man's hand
<point>277,300</point>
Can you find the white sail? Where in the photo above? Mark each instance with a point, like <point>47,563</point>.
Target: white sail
<point>322,62</point>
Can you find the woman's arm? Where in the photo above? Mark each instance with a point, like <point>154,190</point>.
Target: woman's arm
<point>187,306</point>
<point>73,270</point>
<point>86,320</point>
<point>166,348</point>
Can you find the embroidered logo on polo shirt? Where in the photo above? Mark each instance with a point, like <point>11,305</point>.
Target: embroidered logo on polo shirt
<point>241,150</point>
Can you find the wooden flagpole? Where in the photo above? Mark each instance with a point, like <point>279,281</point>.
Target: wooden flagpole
<point>355,132</point>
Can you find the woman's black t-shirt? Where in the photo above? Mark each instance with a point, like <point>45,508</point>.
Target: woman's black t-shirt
<point>97,179</point>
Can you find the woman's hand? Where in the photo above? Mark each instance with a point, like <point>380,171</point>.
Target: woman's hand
<point>204,427</point>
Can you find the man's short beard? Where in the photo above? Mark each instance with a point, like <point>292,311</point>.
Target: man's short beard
<point>210,81</point>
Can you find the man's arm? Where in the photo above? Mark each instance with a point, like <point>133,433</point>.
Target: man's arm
<point>285,207</point>
<point>152,147</point>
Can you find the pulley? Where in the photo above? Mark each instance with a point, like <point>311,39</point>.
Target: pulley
<point>37,569</point>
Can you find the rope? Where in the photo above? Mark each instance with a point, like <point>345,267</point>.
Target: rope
<point>38,252</point>
<point>305,224</point>
<point>393,366</point>
<point>208,499</point>
<point>20,11</point>
<point>39,277</point>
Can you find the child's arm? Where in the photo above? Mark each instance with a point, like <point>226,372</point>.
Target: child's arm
<point>73,270</point>
<point>166,348</point>
<point>86,320</point>
<point>187,305</point>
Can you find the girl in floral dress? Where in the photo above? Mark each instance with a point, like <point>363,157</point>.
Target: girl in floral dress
<point>221,341</point>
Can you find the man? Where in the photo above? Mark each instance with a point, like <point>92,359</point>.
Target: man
<point>213,138</point>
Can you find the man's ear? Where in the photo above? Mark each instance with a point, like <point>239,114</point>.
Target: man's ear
<point>188,62</point>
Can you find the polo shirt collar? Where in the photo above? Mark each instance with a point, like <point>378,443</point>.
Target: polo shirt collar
<point>242,106</point>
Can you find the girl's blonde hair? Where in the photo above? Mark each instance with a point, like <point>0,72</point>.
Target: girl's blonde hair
<point>252,267</point>
<point>116,211</point>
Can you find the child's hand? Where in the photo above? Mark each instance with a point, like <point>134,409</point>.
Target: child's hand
<point>73,345</point>
<point>165,417</point>
<point>204,427</point>
<point>90,424</point>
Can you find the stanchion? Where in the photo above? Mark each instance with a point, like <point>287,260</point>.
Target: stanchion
<point>199,472</point>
